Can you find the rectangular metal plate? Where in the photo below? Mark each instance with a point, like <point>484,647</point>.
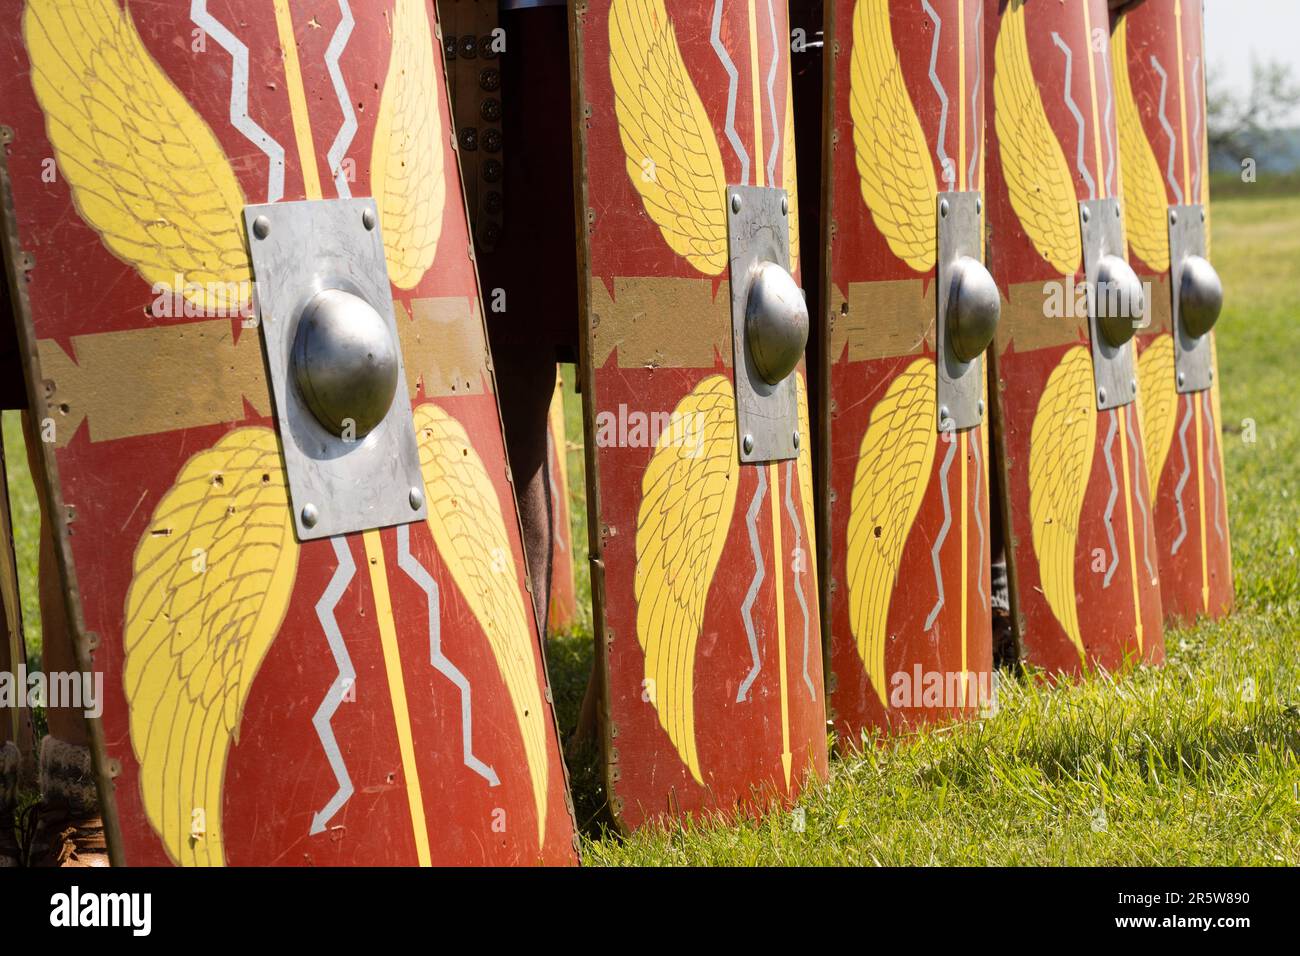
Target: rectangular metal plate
<point>1114,380</point>
<point>758,231</point>
<point>1193,361</point>
<point>353,485</point>
<point>960,391</point>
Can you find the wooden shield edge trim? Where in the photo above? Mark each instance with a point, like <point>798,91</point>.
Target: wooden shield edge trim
<point>587,373</point>
<point>821,425</point>
<point>22,314</point>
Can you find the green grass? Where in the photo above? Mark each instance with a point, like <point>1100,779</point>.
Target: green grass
<point>1192,763</point>
<point>27,526</point>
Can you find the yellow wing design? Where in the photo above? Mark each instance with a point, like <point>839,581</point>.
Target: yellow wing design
<point>1157,404</point>
<point>789,172</point>
<point>688,494</point>
<point>1038,180</point>
<point>672,156</point>
<point>144,169</point>
<point>894,466</point>
<point>1144,190</point>
<point>894,165</point>
<point>212,577</point>
<point>1061,446</point>
<point>469,530</point>
<point>406,160</point>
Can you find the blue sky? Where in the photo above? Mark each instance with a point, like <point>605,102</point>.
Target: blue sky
<point>1237,29</point>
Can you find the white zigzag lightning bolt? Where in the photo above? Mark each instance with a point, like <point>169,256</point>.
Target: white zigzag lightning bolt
<point>746,608</point>
<point>417,573</point>
<point>949,176</point>
<point>1169,130</point>
<point>239,117</point>
<point>1106,122</point>
<point>342,685</point>
<point>798,572</point>
<point>1107,450</point>
<point>1078,116</point>
<point>1214,459</point>
<point>343,139</point>
<point>1182,482</point>
<point>975,96</point>
<point>951,438</point>
<point>715,38</point>
<point>1137,493</point>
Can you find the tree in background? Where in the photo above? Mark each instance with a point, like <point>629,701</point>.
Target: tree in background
<point>1242,125</point>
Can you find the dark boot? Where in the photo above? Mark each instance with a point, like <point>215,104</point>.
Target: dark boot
<point>69,831</point>
<point>9,855</point>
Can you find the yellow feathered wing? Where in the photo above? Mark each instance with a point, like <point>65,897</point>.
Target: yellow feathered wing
<point>673,159</point>
<point>1061,446</point>
<point>144,169</point>
<point>1157,404</point>
<point>469,530</point>
<point>688,495</point>
<point>894,466</point>
<point>893,158</point>
<point>1039,183</point>
<point>212,578</point>
<point>1144,190</point>
<point>407,157</point>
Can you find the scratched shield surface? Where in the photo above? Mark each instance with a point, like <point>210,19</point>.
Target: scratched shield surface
<point>1160,100</point>
<point>705,589</point>
<point>1076,500</point>
<point>909,512</point>
<point>378,698</point>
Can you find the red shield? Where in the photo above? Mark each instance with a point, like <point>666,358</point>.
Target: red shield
<point>706,599</point>
<point>1082,556</point>
<point>378,698</point>
<point>1160,98</point>
<point>909,519</point>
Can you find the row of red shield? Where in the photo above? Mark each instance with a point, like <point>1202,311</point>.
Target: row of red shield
<point>975,434</point>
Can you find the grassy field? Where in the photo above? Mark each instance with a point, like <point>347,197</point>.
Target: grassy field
<point>1193,763</point>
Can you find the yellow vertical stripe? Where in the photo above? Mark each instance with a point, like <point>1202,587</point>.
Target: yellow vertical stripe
<point>1092,86</point>
<point>778,565</point>
<point>297,101</point>
<point>961,100</point>
<point>757,96</point>
<point>397,690</point>
<point>1122,415</point>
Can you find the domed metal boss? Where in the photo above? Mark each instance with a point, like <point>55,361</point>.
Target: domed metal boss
<point>344,362</point>
<point>1200,296</point>
<point>974,307</point>
<point>776,322</point>
<point>1119,300</point>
